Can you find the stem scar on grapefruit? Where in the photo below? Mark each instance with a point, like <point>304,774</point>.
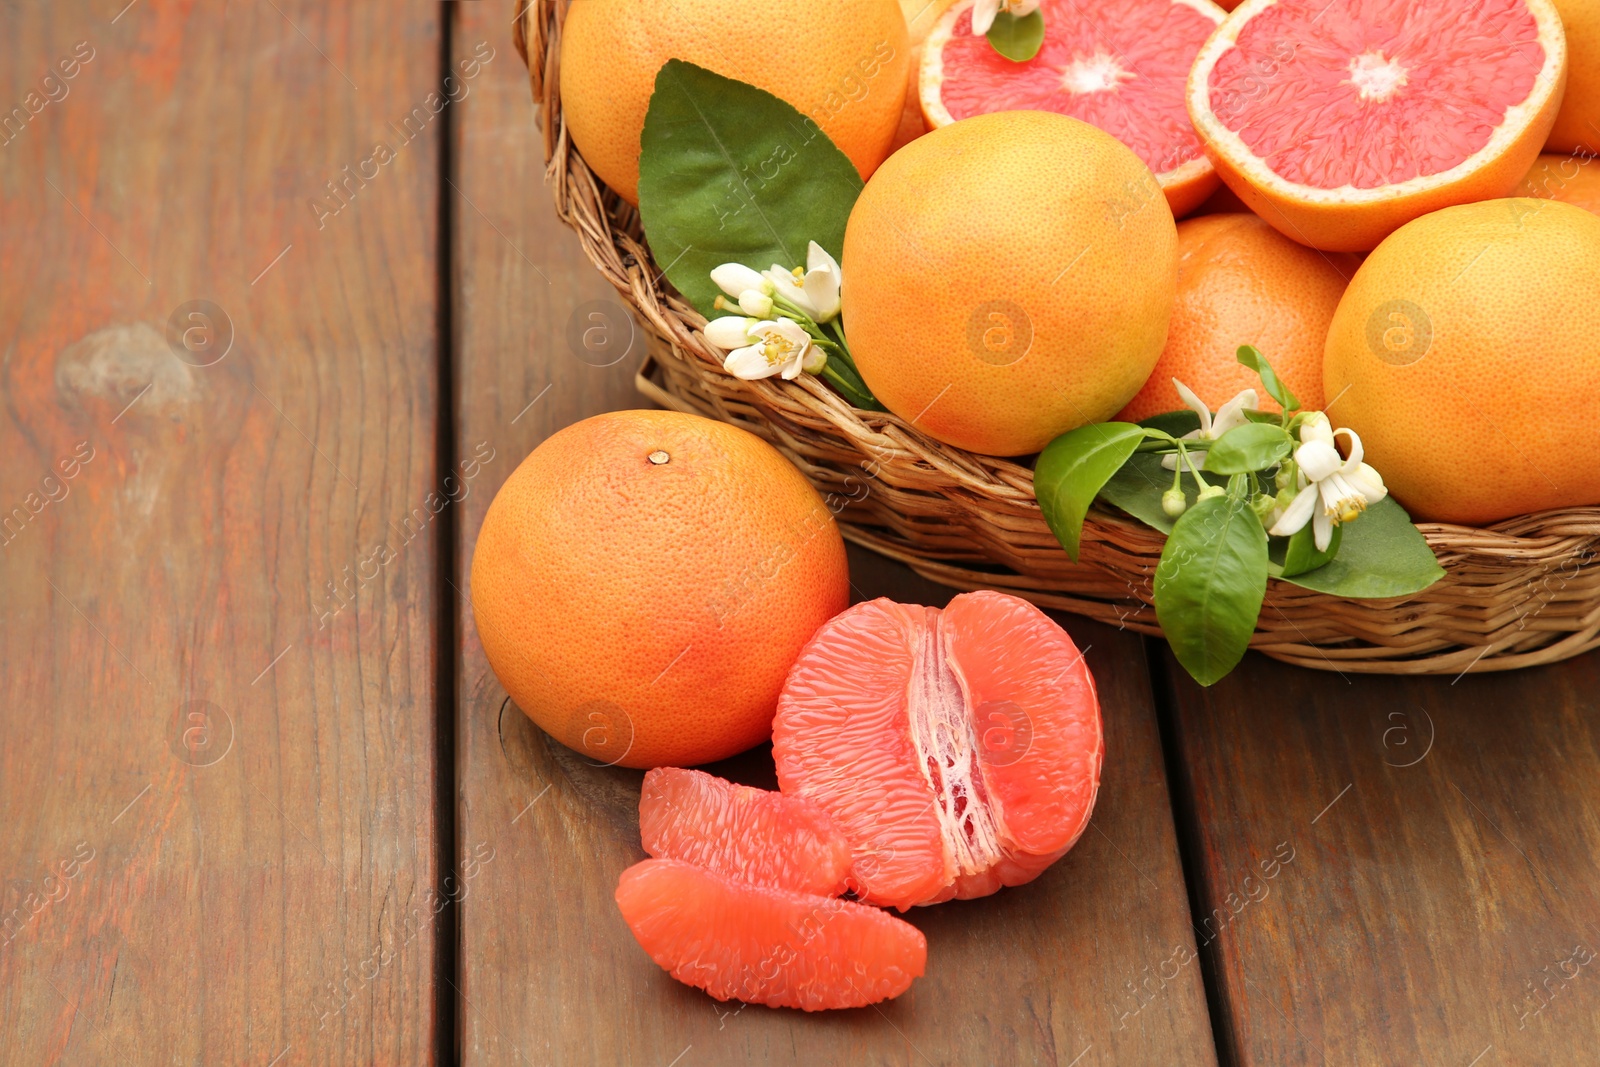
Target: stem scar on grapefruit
<point>1338,121</point>
<point>754,835</point>
<point>958,750</point>
<point>766,945</point>
<point>643,581</point>
<point>1120,65</point>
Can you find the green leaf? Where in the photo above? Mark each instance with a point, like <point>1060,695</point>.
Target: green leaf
<point>1381,554</point>
<point>1251,357</point>
<point>1071,470</point>
<point>1253,446</point>
<point>1298,553</point>
<point>1210,584</point>
<point>728,173</point>
<point>1018,39</point>
<point>1138,486</point>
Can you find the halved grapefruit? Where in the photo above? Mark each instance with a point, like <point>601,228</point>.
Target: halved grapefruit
<point>765,945</point>
<point>957,750</point>
<point>757,835</point>
<point>1120,65</point>
<point>1338,121</point>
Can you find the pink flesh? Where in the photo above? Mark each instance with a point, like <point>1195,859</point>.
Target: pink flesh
<point>1153,40</point>
<point>1287,88</point>
<point>958,751</point>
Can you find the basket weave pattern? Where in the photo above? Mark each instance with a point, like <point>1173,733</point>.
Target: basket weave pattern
<point>1518,593</point>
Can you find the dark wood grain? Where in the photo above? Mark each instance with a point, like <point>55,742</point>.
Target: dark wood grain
<point>217,771</point>
<point>549,972</point>
<point>1443,901</point>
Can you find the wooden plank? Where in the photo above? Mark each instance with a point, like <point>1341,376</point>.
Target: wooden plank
<point>550,973</point>
<point>218,782</point>
<point>1440,904</point>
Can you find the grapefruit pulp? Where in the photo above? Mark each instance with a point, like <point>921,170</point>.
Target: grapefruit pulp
<point>957,750</point>
<point>1338,121</point>
<point>1120,65</point>
<point>755,835</point>
<point>765,945</point>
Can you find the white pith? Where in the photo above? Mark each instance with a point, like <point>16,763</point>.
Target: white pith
<point>1375,77</point>
<point>1097,73</point>
<point>1228,144</point>
<point>947,755</point>
<point>930,81</point>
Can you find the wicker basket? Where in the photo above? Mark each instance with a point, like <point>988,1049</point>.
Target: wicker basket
<point>1521,592</point>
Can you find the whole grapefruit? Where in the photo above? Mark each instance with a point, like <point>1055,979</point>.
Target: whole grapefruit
<point>1574,179</point>
<point>843,65</point>
<point>1578,122</point>
<point>1241,282</point>
<point>1466,353</point>
<point>644,580</point>
<point>1008,278</point>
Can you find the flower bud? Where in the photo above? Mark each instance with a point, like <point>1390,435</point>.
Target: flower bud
<point>729,331</point>
<point>1210,492</point>
<point>755,302</point>
<point>1174,503</point>
<point>735,278</point>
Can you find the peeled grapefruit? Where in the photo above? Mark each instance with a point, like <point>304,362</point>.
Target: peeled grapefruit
<point>1571,179</point>
<point>957,750</point>
<point>643,581</point>
<point>1340,120</point>
<point>1577,126</point>
<point>1466,353</point>
<point>843,65</point>
<point>1120,65</point>
<point>765,945</point>
<point>1009,278</point>
<point>1240,282</point>
<point>754,835</point>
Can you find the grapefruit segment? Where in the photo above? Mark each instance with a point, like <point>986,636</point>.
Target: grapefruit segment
<point>1340,120</point>
<point>1120,65</point>
<point>766,945</point>
<point>1038,717</point>
<point>957,750</point>
<point>841,738</point>
<point>755,835</point>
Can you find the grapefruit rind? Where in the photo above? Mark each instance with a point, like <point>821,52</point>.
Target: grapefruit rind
<point>765,945</point>
<point>1186,185</point>
<point>1341,219</point>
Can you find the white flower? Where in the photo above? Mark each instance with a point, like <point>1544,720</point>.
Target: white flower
<point>1229,415</point>
<point>1345,487</point>
<point>814,290</point>
<point>984,11</point>
<point>735,278</point>
<point>781,347</point>
<point>730,331</point>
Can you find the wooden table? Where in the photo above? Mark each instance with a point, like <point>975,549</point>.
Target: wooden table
<point>280,310</point>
